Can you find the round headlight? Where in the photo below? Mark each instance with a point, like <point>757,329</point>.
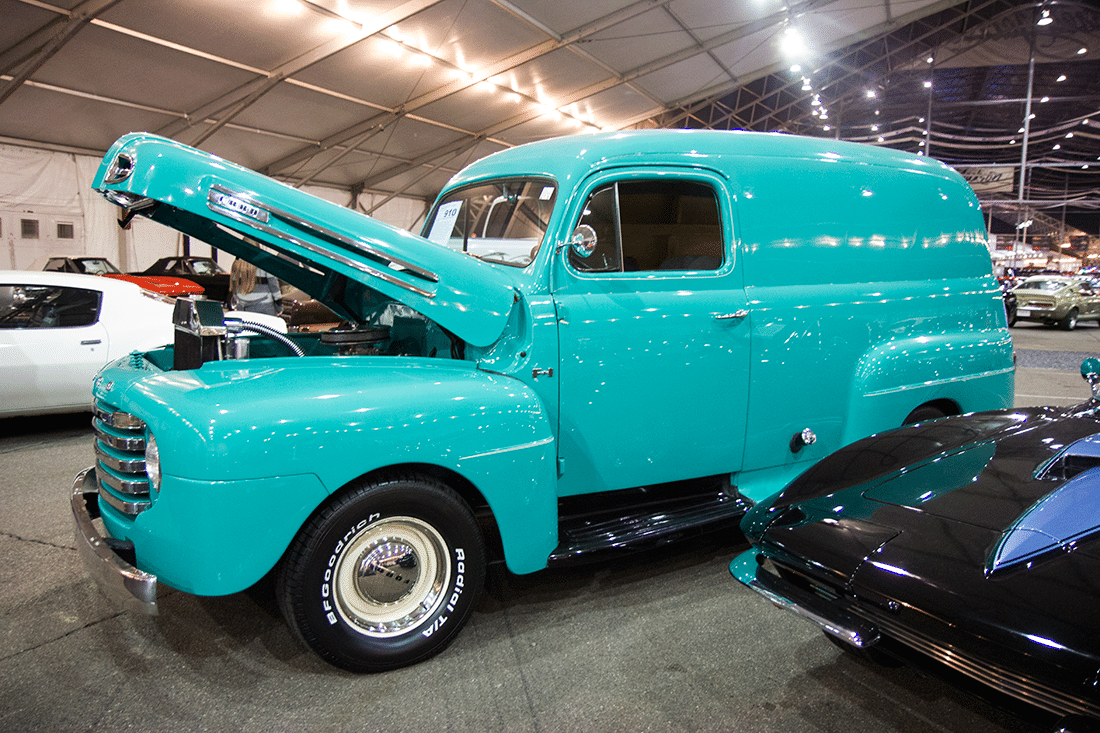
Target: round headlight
<point>152,461</point>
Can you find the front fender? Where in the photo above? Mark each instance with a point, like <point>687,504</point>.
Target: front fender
<point>252,423</point>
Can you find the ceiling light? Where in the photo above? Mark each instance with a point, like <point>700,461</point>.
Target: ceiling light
<point>792,42</point>
<point>881,139</point>
<point>921,120</point>
<point>929,59</point>
<point>826,128</point>
<point>1045,19</point>
<point>1061,78</point>
<point>871,94</point>
<point>1045,99</point>
<point>806,85</point>
<point>874,128</point>
<point>1019,131</point>
<point>1012,142</point>
<point>796,68</point>
<point>1069,134</point>
<point>824,115</point>
<point>1031,116</point>
<point>876,113</point>
<point>1082,50</point>
<point>1085,166</point>
<point>1057,146</point>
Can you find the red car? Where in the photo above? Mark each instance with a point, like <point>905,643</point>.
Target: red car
<point>165,285</point>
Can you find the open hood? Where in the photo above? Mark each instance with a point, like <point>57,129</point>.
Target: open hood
<point>339,256</point>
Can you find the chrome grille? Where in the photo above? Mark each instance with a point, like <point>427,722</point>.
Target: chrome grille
<point>1012,683</point>
<point>120,459</point>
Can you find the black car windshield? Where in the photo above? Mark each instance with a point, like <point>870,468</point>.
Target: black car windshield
<point>502,221</point>
<point>205,267</point>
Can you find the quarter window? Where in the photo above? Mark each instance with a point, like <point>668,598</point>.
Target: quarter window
<point>644,226</point>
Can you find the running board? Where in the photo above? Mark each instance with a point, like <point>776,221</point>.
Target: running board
<point>595,527</point>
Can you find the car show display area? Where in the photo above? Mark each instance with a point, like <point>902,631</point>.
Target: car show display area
<point>655,641</point>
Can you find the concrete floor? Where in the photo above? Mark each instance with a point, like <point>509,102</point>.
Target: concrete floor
<point>664,641</point>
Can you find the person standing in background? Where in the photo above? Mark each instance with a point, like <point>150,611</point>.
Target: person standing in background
<point>253,290</point>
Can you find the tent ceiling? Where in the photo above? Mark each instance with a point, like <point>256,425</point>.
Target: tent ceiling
<point>393,97</point>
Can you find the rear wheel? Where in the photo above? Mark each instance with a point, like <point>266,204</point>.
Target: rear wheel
<point>385,575</point>
<point>924,413</point>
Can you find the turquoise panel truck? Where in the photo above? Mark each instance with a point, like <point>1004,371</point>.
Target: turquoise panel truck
<point>596,344</point>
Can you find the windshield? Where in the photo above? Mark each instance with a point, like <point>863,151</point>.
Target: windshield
<point>1048,285</point>
<point>98,267</point>
<point>503,221</point>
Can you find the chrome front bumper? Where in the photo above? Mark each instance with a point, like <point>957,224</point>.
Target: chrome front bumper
<point>120,581</point>
<point>790,597</point>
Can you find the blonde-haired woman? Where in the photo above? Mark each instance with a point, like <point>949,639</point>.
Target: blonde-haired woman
<point>252,290</point>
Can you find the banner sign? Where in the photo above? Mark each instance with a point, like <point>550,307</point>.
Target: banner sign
<point>989,180</point>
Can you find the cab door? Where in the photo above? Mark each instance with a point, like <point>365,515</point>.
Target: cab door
<point>653,327</point>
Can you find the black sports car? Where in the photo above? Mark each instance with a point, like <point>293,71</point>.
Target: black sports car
<point>972,539</point>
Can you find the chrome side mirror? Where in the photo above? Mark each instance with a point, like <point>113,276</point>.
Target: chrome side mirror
<point>583,241</point>
<point>1090,371</point>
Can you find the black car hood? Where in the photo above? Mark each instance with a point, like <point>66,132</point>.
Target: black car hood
<point>985,469</point>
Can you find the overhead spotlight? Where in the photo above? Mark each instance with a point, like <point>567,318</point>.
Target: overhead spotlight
<point>1012,142</point>
<point>928,84</point>
<point>1031,116</point>
<point>1069,134</point>
<point>1081,51</point>
<point>1057,146</point>
<point>874,128</point>
<point>1019,131</point>
<point>1045,99</point>
<point>1045,19</point>
<point>792,42</point>
<point>806,87</point>
<point>876,113</point>
<point>826,128</point>
<point>921,120</point>
<point>796,68</point>
<point>824,115</point>
<point>881,139</point>
<point>929,59</point>
<point>1061,78</point>
<point>871,94</point>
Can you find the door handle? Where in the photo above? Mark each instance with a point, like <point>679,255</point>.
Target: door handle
<point>731,316</point>
<point>91,342</point>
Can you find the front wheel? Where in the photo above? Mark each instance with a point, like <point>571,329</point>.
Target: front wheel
<point>384,575</point>
<point>1069,322</point>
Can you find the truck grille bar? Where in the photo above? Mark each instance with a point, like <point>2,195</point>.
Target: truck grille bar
<point>120,459</point>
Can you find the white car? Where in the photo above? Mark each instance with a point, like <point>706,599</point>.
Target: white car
<point>57,329</point>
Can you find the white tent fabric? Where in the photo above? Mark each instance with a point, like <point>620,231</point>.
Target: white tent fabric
<point>53,188</point>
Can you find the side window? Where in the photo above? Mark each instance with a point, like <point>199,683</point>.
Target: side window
<point>645,226</point>
<point>39,306</point>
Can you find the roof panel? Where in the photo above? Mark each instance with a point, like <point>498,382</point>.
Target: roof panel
<point>169,79</point>
<point>259,35</point>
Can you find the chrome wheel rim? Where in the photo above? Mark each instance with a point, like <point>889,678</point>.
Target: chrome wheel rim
<point>391,576</point>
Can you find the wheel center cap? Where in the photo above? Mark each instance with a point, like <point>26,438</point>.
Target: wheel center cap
<point>387,572</point>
